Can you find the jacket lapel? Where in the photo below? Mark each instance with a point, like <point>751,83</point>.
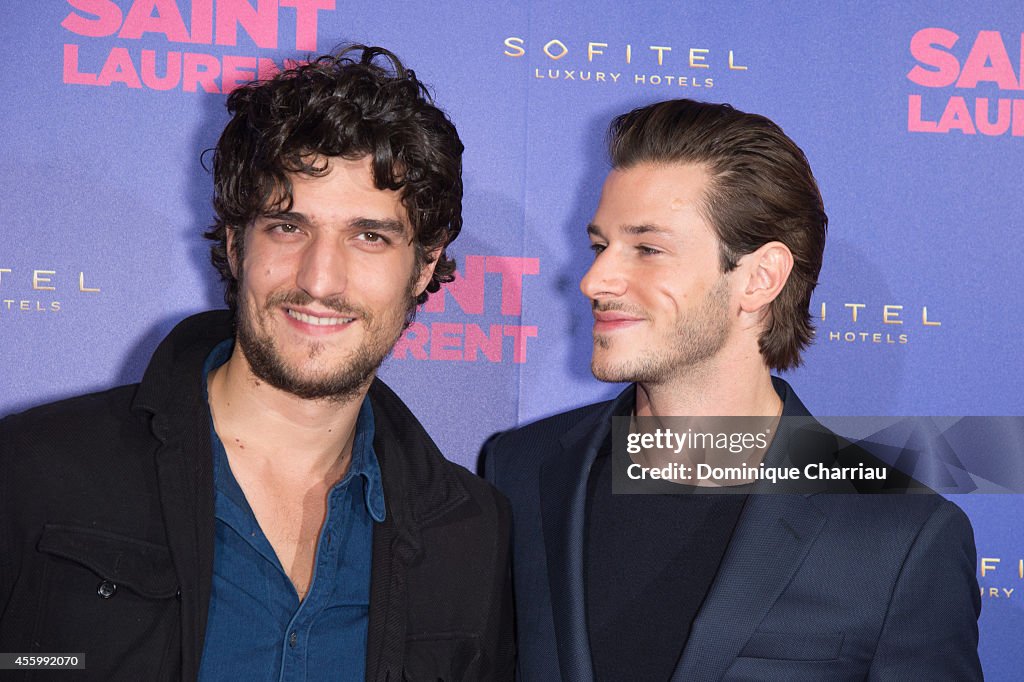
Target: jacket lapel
<point>172,394</point>
<point>190,542</point>
<point>418,489</point>
<point>771,540</point>
<point>773,536</point>
<point>563,496</point>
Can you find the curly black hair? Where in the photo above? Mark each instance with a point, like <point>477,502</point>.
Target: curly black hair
<point>338,105</point>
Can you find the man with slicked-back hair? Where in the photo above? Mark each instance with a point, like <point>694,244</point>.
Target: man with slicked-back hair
<point>261,506</point>
<point>707,241</point>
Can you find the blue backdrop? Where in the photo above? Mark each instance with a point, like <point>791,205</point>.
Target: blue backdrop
<point>910,113</point>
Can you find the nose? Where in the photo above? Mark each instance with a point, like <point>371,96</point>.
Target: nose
<point>604,279</point>
<point>322,270</point>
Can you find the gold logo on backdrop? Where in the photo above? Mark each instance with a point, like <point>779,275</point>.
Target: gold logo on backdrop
<point>884,324</point>
<point>598,61</point>
<point>1001,572</point>
<point>34,290</point>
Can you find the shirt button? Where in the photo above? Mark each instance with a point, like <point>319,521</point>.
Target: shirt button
<point>292,640</point>
<point>106,589</point>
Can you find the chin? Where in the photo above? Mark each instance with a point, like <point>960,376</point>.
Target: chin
<point>609,371</point>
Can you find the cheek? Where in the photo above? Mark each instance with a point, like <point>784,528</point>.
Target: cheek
<point>381,281</point>
<point>261,275</point>
<point>662,288</point>
<point>670,299</point>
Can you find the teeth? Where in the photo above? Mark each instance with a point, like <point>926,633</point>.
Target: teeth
<point>318,321</point>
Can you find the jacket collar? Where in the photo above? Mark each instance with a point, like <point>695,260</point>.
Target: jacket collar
<point>173,382</point>
<point>419,484</point>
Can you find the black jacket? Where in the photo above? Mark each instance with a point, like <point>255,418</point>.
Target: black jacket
<point>107,534</point>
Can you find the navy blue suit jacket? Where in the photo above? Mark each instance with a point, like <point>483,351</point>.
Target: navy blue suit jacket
<point>812,587</point>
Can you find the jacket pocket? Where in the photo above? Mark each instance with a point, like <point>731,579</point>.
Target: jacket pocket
<point>441,657</point>
<point>824,646</point>
<point>142,567</point>
<point>111,597</point>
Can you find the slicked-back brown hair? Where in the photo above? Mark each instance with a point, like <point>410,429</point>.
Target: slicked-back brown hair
<point>761,189</point>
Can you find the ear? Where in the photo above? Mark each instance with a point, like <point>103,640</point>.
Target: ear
<point>764,273</point>
<point>427,271</point>
<point>232,234</point>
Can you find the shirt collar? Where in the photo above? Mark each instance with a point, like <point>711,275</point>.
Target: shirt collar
<point>364,462</point>
<point>364,459</point>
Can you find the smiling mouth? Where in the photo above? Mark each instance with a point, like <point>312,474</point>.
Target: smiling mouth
<point>317,321</point>
<point>616,318</point>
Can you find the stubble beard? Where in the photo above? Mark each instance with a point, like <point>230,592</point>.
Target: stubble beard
<point>696,339</point>
<point>349,375</point>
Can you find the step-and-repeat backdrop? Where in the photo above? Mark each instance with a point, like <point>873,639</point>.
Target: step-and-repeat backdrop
<point>912,115</point>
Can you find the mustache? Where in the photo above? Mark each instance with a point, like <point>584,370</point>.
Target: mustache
<point>300,298</point>
<point>619,307</point>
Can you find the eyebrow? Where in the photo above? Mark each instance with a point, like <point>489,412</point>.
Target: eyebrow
<point>289,216</point>
<point>389,225</point>
<point>633,230</point>
<point>645,229</point>
<point>386,225</point>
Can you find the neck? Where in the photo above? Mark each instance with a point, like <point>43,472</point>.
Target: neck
<point>299,438</point>
<point>732,383</point>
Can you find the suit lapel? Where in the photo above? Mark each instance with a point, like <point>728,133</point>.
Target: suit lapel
<point>771,540</point>
<point>563,495</point>
<point>773,536</point>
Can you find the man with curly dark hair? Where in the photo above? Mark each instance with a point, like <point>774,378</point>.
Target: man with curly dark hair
<point>261,506</point>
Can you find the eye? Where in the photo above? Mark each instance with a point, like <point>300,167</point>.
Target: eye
<point>373,238</point>
<point>597,248</point>
<point>284,228</point>
<point>647,250</point>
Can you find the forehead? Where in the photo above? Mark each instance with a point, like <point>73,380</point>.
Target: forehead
<point>667,187</point>
<point>346,191</point>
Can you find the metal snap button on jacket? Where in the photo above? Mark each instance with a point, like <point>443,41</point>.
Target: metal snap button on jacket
<point>106,589</point>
